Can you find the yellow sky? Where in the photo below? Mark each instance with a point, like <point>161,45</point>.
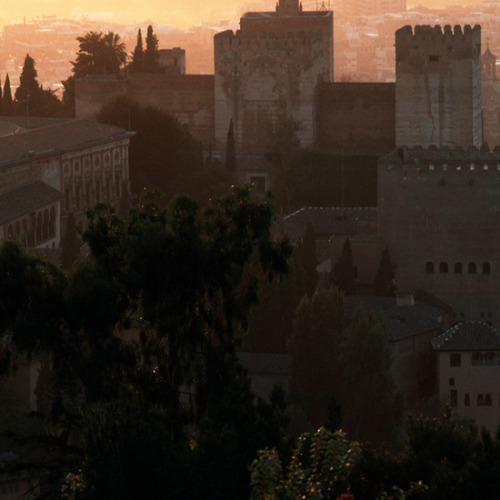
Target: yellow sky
<point>179,13</point>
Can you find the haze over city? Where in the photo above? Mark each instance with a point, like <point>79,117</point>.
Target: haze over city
<point>178,13</point>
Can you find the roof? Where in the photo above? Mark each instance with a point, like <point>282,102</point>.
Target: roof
<point>401,321</point>
<point>468,336</point>
<point>25,199</point>
<point>55,137</point>
<point>327,220</point>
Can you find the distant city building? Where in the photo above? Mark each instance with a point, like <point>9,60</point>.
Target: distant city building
<point>469,370</point>
<point>358,8</point>
<point>173,60</point>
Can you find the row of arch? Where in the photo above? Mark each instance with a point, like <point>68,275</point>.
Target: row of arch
<point>35,229</point>
<point>75,167</point>
<point>458,268</point>
<point>84,195</point>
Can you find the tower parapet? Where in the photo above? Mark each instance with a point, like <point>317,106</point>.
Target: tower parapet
<point>438,86</point>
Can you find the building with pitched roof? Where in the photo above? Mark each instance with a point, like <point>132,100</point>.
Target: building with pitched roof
<point>468,367</point>
<point>50,167</point>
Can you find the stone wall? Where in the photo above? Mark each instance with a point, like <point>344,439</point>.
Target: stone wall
<point>190,98</point>
<point>356,117</point>
<point>268,68</point>
<point>438,86</point>
<point>438,215</point>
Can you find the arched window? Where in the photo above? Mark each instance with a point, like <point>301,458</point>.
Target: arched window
<point>17,230</point>
<point>486,268</point>
<point>429,267</point>
<point>480,400</point>
<point>10,232</point>
<point>487,400</point>
<point>458,268</point>
<point>471,268</point>
<point>443,267</point>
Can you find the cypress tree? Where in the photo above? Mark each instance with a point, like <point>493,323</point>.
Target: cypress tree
<point>305,263</point>
<point>1,110</point>
<point>151,54</point>
<point>28,92</point>
<point>137,64</point>
<point>384,279</point>
<point>344,272</point>
<point>7,97</point>
<point>230,149</point>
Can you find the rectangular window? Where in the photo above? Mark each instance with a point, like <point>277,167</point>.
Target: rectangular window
<point>452,381</point>
<point>467,400</point>
<point>455,359</point>
<point>434,58</point>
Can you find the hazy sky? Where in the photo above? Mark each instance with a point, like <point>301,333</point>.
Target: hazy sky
<point>179,13</point>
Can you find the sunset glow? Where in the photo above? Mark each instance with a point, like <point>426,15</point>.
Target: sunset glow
<point>178,13</point>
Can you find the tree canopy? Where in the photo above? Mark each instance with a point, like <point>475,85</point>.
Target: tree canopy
<point>31,99</point>
<point>99,53</point>
<point>142,340</point>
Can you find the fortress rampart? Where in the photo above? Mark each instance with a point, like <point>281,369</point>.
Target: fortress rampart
<point>439,216</point>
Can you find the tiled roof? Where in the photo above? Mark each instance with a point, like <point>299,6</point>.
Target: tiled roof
<point>327,220</point>
<point>401,321</point>
<point>468,336</point>
<point>56,137</point>
<point>23,200</point>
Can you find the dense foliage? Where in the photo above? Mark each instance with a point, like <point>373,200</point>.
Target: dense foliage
<point>141,342</point>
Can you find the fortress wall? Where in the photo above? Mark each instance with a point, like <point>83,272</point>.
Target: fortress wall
<point>438,86</point>
<point>444,208</point>
<point>356,117</point>
<point>190,98</point>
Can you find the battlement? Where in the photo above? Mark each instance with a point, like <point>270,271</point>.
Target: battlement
<point>457,160</point>
<point>251,39</point>
<point>426,32</point>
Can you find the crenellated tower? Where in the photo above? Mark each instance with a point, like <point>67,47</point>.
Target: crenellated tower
<point>269,67</point>
<point>438,86</point>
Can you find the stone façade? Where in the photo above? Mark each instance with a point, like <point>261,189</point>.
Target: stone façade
<point>438,86</point>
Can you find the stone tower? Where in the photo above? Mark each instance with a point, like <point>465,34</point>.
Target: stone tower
<point>438,86</point>
<point>288,8</point>
<point>270,67</point>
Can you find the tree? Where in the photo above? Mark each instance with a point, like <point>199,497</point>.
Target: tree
<point>344,272</point>
<point>1,99</point>
<point>137,63</point>
<point>314,349</point>
<point>7,97</point>
<point>99,53</point>
<point>189,275</point>
<point>163,154</point>
<point>305,263</point>
<point>70,244</point>
<point>320,468</point>
<point>367,384</point>
<point>151,54</point>
<point>230,149</point>
<point>384,278</point>
<point>30,98</point>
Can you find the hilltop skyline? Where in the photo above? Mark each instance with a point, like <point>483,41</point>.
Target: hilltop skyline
<point>178,13</point>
